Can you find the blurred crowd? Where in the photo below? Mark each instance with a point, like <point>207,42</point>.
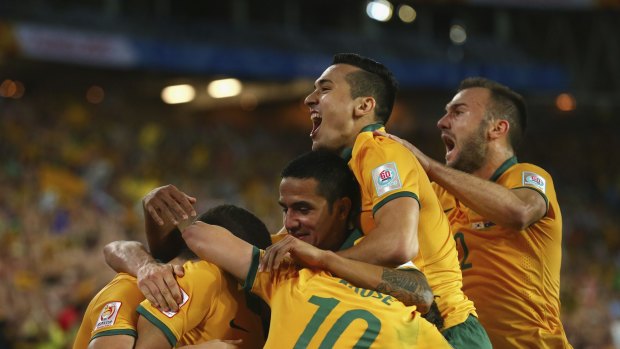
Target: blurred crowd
<point>72,176</point>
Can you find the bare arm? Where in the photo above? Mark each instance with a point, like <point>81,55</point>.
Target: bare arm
<point>408,286</point>
<point>394,240</point>
<point>107,342</point>
<point>149,336</point>
<point>516,209</point>
<point>155,280</point>
<point>165,208</point>
<point>216,344</point>
<point>219,246</point>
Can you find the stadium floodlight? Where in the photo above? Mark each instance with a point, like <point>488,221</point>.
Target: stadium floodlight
<point>176,94</point>
<point>224,88</point>
<point>406,13</point>
<point>379,10</point>
<point>458,34</point>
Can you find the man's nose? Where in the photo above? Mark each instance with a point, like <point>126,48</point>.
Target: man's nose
<point>290,222</point>
<point>443,122</point>
<point>310,99</point>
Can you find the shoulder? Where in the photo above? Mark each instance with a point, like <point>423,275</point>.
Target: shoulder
<point>527,175</point>
<point>200,272</point>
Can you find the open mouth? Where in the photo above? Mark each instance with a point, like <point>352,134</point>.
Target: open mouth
<point>449,142</point>
<point>316,123</point>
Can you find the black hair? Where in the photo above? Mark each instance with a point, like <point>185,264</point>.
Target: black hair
<point>505,104</point>
<point>335,179</point>
<point>242,223</point>
<point>374,79</point>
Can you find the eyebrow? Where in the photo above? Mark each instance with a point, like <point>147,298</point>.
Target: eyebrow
<point>322,82</point>
<point>454,106</point>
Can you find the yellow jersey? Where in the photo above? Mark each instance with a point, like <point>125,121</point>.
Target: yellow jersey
<point>386,170</point>
<point>313,309</point>
<point>513,276</point>
<point>111,312</point>
<point>214,307</point>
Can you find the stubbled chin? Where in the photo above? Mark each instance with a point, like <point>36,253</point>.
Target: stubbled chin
<point>450,157</point>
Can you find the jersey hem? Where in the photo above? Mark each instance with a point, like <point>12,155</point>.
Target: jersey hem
<point>159,324</point>
<point>395,196</point>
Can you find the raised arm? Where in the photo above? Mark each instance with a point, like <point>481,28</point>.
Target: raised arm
<point>155,280</point>
<point>165,208</point>
<point>512,208</point>
<point>408,286</point>
<point>219,246</point>
<point>394,240</point>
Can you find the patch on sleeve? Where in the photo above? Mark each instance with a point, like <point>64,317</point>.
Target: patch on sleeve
<point>386,179</point>
<point>534,180</point>
<point>108,314</point>
<point>173,313</point>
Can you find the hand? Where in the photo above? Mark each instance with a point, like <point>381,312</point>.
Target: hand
<point>424,160</point>
<point>158,284</point>
<point>168,204</point>
<point>301,252</point>
<point>216,344</point>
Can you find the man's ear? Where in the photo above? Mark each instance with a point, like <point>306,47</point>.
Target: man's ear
<point>498,128</point>
<point>343,207</point>
<point>364,106</point>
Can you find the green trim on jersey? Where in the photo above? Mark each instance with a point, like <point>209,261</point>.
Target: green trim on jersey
<point>127,332</point>
<point>159,324</point>
<point>249,279</point>
<point>347,153</point>
<point>503,167</point>
<point>395,196</point>
<point>350,241</point>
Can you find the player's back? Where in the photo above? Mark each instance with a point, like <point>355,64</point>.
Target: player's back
<point>312,309</point>
<point>214,307</point>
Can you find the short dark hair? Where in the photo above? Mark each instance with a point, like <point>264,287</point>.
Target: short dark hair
<point>242,223</point>
<point>335,179</point>
<point>374,79</point>
<point>506,104</point>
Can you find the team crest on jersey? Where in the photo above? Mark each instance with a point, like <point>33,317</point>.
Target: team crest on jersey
<point>534,180</point>
<point>173,313</point>
<point>108,314</point>
<point>386,179</point>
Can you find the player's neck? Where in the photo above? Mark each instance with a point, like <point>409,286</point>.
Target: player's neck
<point>496,157</point>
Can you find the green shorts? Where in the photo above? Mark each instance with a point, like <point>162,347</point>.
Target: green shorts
<point>468,335</point>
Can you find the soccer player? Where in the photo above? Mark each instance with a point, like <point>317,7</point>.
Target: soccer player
<point>212,307</point>
<point>504,214</point>
<point>311,307</point>
<point>401,216</point>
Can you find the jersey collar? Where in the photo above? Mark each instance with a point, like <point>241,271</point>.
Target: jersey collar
<point>505,166</point>
<point>348,152</point>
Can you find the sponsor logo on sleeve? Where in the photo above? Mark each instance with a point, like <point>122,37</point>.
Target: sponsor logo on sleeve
<point>173,313</point>
<point>533,180</point>
<point>386,179</point>
<point>108,314</point>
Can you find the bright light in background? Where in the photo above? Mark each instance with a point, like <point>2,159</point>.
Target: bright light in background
<point>95,94</point>
<point>379,10</point>
<point>178,94</point>
<point>458,35</point>
<point>406,13</point>
<point>12,89</point>
<point>565,102</point>
<point>224,88</point>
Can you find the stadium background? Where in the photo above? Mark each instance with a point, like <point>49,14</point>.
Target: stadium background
<point>84,133</point>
